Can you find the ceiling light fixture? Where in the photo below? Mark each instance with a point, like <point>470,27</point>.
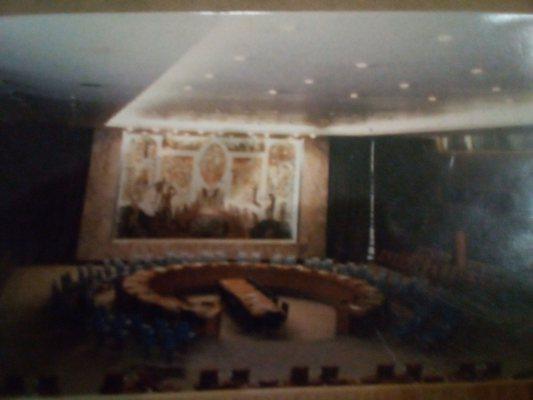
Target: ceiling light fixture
<point>354,95</point>
<point>444,38</point>
<point>404,85</point>
<point>309,81</point>
<point>496,89</point>
<point>272,92</point>
<point>476,71</point>
<point>187,88</point>
<point>239,58</point>
<point>361,65</point>
<point>288,28</point>
<point>432,99</point>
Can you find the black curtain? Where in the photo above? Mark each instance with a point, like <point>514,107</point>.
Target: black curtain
<point>348,203</point>
<point>410,211</point>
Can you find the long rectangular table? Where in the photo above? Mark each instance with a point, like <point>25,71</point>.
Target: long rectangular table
<point>258,307</point>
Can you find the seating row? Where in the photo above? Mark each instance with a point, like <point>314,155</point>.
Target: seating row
<point>209,379</point>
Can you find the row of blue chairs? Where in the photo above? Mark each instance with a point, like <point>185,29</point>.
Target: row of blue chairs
<point>434,319</point>
<point>72,302</point>
<point>117,328</point>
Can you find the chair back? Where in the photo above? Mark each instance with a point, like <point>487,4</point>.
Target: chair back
<point>467,371</point>
<point>414,371</point>
<point>14,385</point>
<point>329,374</point>
<point>299,376</point>
<point>208,379</point>
<point>240,376</point>
<point>48,386</point>
<point>385,371</point>
<point>113,383</point>
<point>493,370</point>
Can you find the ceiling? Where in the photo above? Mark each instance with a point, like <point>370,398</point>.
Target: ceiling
<point>322,72</point>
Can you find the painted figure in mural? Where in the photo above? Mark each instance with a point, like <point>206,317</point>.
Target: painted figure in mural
<point>151,201</point>
<point>270,228</point>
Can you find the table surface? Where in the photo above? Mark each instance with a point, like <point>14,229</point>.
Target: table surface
<point>253,299</point>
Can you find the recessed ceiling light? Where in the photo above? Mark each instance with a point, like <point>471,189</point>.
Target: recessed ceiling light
<point>288,28</point>
<point>361,65</point>
<point>404,85</point>
<point>432,99</point>
<point>444,38</point>
<point>273,92</point>
<point>354,95</point>
<point>239,58</point>
<point>209,75</point>
<point>496,89</point>
<point>476,71</point>
<point>309,81</point>
<point>187,88</point>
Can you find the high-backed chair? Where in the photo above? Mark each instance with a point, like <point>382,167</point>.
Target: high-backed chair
<point>492,370</point>
<point>208,379</point>
<point>299,376</point>
<point>14,385</point>
<point>414,371</point>
<point>384,373</point>
<point>48,386</point>
<point>329,375</point>
<point>467,372</point>
<point>113,383</point>
<point>239,378</point>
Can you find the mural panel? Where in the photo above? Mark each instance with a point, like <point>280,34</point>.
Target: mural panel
<point>175,186</point>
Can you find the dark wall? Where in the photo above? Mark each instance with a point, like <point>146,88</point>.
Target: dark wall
<point>423,197</point>
<point>43,176</point>
<point>490,196</point>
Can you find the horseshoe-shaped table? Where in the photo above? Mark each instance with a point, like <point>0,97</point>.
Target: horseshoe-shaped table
<point>162,289</point>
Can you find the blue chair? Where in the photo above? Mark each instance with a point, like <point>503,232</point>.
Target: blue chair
<point>66,281</point>
<point>168,344</point>
<point>147,340</point>
<point>409,328</point>
<point>184,333</point>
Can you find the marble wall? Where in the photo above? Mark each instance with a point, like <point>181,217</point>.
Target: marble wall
<point>99,238</point>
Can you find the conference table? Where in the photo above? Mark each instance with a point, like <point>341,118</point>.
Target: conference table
<point>252,304</point>
<point>166,288</point>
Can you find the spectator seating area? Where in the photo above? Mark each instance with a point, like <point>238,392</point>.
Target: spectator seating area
<point>156,378</point>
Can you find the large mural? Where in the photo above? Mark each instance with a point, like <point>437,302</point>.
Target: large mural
<point>176,186</point>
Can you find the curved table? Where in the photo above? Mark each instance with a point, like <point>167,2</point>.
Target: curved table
<point>163,288</point>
